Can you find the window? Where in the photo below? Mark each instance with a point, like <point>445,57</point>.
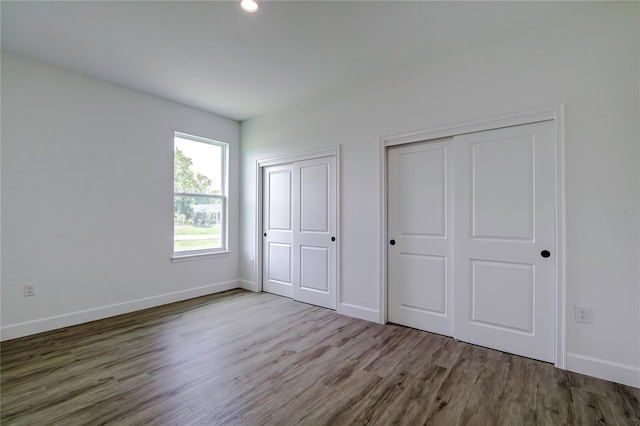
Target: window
<point>199,196</point>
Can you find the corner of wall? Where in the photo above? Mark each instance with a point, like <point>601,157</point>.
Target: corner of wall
<point>248,285</point>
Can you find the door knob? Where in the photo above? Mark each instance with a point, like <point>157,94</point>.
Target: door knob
<point>392,242</point>
<point>265,234</point>
<point>333,238</point>
<point>545,253</point>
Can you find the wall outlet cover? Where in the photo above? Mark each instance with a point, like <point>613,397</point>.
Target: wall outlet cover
<point>29,290</point>
<point>582,314</point>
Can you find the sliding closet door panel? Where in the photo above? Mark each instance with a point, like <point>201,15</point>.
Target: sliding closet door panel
<point>419,236</point>
<point>277,226</point>
<point>314,222</point>
<point>505,215</point>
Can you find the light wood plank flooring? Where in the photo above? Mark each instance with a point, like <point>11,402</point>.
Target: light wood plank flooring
<point>242,358</point>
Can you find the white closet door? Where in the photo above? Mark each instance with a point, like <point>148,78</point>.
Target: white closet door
<point>314,222</point>
<point>278,228</point>
<point>504,239</point>
<point>300,231</point>
<point>419,236</point>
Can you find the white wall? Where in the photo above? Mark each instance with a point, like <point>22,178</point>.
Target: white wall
<point>87,204</point>
<point>588,61</point>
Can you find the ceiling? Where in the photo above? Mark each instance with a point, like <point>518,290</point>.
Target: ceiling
<point>213,56</point>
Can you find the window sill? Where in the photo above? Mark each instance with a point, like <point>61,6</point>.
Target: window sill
<point>197,256</point>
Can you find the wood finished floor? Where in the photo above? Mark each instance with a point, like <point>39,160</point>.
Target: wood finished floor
<point>242,358</point>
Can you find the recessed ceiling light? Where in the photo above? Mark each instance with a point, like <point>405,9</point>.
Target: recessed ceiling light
<point>250,6</point>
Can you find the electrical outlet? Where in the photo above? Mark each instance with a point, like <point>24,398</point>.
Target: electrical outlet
<point>29,290</point>
<point>583,315</point>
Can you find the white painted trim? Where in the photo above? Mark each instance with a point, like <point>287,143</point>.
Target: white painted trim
<point>507,120</point>
<point>603,369</point>
<point>338,149</point>
<point>561,278</point>
<point>73,318</point>
<point>291,158</point>
<point>257,268</point>
<point>248,285</point>
<point>199,256</point>
<point>555,113</point>
<point>285,159</point>
<point>359,312</point>
<point>383,237</point>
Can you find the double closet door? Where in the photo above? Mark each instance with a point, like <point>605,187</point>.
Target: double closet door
<point>471,228</point>
<point>299,230</point>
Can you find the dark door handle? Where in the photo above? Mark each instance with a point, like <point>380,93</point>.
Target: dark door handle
<point>392,242</point>
<point>333,238</point>
<point>265,234</point>
<point>545,253</point>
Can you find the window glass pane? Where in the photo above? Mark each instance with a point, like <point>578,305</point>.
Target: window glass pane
<point>197,167</point>
<point>197,223</point>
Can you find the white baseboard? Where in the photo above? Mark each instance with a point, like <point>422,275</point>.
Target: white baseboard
<point>603,369</point>
<point>359,312</point>
<point>248,285</point>
<point>65,320</point>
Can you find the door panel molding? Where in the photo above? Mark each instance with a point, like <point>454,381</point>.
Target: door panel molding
<point>554,113</point>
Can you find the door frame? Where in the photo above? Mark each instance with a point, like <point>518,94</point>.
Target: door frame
<point>553,113</point>
<point>333,151</point>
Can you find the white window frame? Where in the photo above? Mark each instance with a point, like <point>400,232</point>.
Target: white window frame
<point>210,252</point>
